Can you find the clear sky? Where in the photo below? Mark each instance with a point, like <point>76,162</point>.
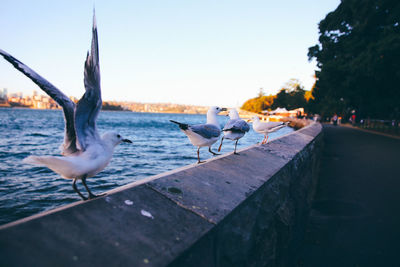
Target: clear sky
<point>189,52</point>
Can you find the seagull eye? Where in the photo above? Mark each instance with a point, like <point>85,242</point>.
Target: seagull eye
<point>118,136</point>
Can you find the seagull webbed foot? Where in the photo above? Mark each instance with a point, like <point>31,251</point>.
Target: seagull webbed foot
<point>92,196</point>
<point>77,191</point>
<point>212,152</point>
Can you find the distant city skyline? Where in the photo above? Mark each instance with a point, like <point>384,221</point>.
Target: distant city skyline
<point>198,53</point>
<point>4,92</point>
<point>43,101</point>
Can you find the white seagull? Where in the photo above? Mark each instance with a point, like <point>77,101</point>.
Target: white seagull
<point>234,129</point>
<point>203,134</point>
<point>266,127</point>
<point>84,152</point>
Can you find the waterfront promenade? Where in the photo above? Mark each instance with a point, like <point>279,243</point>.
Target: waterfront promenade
<point>356,216</point>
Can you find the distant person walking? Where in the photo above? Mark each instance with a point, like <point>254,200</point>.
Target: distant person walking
<point>335,119</point>
<point>353,117</point>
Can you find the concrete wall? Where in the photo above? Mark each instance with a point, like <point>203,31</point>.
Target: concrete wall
<point>234,210</point>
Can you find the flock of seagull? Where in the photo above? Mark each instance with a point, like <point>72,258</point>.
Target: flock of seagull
<point>85,153</point>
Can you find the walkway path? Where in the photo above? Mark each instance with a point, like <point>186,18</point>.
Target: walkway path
<point>356,215</point>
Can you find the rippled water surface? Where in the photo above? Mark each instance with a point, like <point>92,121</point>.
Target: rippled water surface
<point>158,146</point>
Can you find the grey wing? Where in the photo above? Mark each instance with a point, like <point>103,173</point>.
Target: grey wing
<point>206,130</point>
<point>236,125</point>
<point>274,124</point>
<point>68,106</point>
<point>277,126</point>
<point>89,105</point>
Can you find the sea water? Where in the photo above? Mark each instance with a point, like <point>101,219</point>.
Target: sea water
<point>158,146</point>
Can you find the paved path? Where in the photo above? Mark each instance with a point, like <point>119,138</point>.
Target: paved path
<point>356,216</point>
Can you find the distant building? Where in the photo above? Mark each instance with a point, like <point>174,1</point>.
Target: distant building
<point>3,94</point>
<point>3,98</point>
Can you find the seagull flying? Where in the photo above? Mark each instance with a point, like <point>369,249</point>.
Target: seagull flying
<point>234,129</point>
<point>203,134</point>
<point>266,127</point>
<point>84,152</point>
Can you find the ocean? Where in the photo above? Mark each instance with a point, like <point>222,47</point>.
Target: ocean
<point>158,146</point>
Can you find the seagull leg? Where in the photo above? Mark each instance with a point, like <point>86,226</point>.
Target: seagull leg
<point>219,148</point>
<point>198,156</point>
<point>234,152</point>
<point>91,195</point>
<point>76,189</point>
<point>212,152</point>
<point>266,139</point>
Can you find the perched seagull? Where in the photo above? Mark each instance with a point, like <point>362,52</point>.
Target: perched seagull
<point>203,134</point>
<point>234,129</point>
<point>84,152</point>
<point>266,127</point>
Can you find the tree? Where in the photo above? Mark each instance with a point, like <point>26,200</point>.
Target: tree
<point>291,96</point>
<point>258,104</point>
<point>358,57</point>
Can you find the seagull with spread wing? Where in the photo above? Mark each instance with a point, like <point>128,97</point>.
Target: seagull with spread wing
<point>201,135</point>
<point>85,152</point>
<point>234,129</point>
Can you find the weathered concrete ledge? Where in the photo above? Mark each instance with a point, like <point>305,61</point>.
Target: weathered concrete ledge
<point>234,210</point>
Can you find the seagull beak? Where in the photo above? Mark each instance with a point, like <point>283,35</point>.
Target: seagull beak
<point>224,109</point>
<point>127,141</point>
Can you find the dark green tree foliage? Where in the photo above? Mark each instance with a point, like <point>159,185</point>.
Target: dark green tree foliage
<point>359,60</point>
<point>109,106</point>
<point>291,96</point>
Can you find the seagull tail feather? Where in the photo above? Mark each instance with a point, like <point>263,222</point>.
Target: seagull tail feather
<point>60,165</point>
<point>35,160</point>
<point>48,161</point>
<point>183,126</point>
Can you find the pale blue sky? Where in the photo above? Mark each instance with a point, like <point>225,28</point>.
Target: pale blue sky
<point>187,52</point>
